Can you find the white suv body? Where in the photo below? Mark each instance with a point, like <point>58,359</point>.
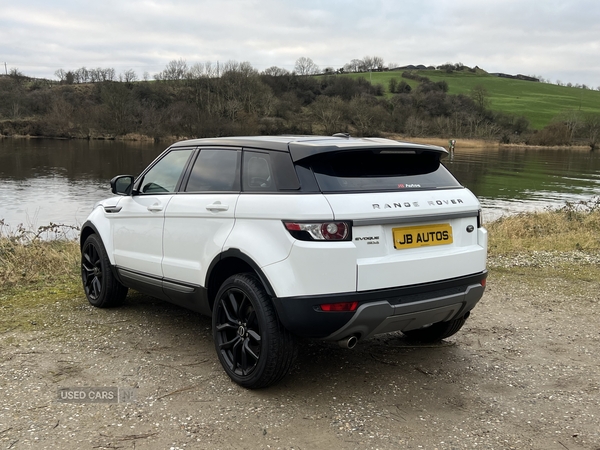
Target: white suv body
<point>332,238</point>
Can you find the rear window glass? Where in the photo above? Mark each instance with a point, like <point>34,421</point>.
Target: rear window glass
<point>380,171</point>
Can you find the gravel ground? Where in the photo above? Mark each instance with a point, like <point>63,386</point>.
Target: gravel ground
<point>523,373</point>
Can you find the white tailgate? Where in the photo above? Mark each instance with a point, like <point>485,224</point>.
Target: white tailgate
<point>380,265</point>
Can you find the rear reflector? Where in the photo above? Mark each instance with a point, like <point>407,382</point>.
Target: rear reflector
<point>339,307</point>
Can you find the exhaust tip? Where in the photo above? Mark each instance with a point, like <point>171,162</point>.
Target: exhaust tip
<point>349,342</point>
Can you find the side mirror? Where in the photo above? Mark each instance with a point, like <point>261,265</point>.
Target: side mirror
<point>122,185</point>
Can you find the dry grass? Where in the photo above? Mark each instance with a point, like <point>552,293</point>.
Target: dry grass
<point>36,257</point>
<point>575,226</point>
<point>32,260</point>
<point>460,143</point>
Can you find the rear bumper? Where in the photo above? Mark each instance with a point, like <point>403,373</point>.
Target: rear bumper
<point>382,311</point>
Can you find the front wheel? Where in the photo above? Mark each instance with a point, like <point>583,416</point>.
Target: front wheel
<point>437,331</point>
<point>254,348</point>
<point>101,288</point>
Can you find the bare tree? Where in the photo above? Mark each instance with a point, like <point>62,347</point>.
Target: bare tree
<point>175,70</point>
<point>305,66</point>
<point>480,96</point>
<point>328,112</point>
<point>275,71</point>
<point>366,115</point>
<point>572,119</point>
<point>378,63</point>
<point>591,128</point>
<point>367,63</point>
<point>129,76</point>
<point>353,66</point>
<point>110,74</point>
<point>61,74</point>
<point>82,75</point>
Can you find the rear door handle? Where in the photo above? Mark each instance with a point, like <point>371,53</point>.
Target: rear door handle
<point>217,206</point>
<point>156,207</point>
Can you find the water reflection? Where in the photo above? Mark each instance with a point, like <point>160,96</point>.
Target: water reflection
<point>511,180</point>
<point>43,181</point>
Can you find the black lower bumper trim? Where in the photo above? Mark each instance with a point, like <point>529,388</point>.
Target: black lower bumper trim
<point>302,315</point>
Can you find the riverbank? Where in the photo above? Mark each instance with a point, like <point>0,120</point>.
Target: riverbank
<point>481,144</point>
<point>461,144</point>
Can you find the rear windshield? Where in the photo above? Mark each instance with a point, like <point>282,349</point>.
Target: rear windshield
<point>379,171</point>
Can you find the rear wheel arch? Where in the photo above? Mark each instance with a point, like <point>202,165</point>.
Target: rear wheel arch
<point>228,263</point>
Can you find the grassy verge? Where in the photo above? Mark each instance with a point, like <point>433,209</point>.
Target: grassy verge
<point>34,273</point>
<point>575,226</point>
<point>555,246</point>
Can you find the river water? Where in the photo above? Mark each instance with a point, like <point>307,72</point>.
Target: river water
<point>43,181</point>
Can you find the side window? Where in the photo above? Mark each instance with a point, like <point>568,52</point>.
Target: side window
<point>215,170</point>
<point>164,175</point>
<point>257,174</point>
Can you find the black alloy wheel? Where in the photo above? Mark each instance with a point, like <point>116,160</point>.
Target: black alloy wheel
<point>101,288</point>
<point>253,347</point>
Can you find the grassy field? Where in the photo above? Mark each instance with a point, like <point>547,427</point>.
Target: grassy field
<point>540,103</point>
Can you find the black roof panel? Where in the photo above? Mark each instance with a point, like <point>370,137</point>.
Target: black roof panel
<point>301,147</point>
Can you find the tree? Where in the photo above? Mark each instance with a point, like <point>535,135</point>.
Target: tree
<point>17,76</point>
<point>61,75</point>
<point>116,98</point>
<point>175,70</point>
<point>305,66</point>
<point>572,119</point>
<point>368,63</point>
<point>480,96</point>
<point>328,112</point>
<point>353,66</point>
<point>366,115</point>
<point>129,76</point>
<point>275,71</point>
<point>591,129</point>
<point>378,63</point>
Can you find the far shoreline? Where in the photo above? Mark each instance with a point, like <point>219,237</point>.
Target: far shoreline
<point>461,143</point>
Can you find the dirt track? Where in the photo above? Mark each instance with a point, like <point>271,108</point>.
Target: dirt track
<point>523,373</point>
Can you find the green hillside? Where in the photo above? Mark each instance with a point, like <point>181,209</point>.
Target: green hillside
<point>538,102</point>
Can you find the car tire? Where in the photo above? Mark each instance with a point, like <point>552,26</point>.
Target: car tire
<point>101,287</point>
<point>253,347</point>
<point>437,331</point>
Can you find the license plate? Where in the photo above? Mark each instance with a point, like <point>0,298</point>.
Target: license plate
<point>422,236</point>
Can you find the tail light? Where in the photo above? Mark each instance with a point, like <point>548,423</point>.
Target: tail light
<point>320,231</point>
<point>339,307</point>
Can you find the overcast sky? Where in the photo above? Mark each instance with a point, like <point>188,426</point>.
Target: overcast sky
<point>559,40</point>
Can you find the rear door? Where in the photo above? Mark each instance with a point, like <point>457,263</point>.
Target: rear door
<point>199,219</point>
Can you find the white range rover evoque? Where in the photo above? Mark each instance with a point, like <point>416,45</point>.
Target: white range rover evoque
<point>333,238</point>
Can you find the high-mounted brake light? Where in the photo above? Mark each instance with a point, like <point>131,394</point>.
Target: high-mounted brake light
<point>339,307</point>
<point>319,231</point>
